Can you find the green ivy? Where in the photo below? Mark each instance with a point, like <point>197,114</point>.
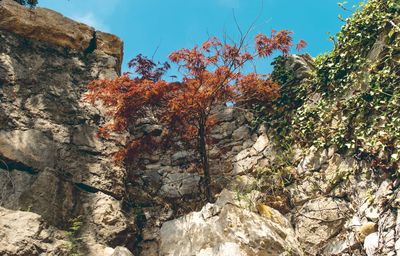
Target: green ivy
<point>73,236</point>
<point>355,90</point>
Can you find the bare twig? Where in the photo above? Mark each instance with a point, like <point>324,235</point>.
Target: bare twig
<point>394,25</point>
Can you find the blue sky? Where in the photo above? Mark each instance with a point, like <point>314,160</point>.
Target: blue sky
<point>168,25</point>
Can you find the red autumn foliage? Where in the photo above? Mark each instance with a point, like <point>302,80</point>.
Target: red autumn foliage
<point>212,75</point>
<point>301,45</point>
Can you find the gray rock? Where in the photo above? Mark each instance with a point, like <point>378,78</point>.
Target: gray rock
<point>242,133</point>
<point>31,147</point>
<point>340,246</point>
<point>25,233</point>
<point>261,143</point>
<point>372,213</point>
<point>46,126</point>
<point>318,220</point>
<point>230,230</point>
<point>180,156</point>
<point>371,244</point>
<point>180,184</point>
<point>386,231</point>
<point>121,251</point>
<point>226,115</point>
<point>313,161</point>
<point>301,65</point>
<point>245,165</point>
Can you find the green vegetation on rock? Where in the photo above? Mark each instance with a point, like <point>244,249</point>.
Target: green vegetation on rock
<point>351,100</point>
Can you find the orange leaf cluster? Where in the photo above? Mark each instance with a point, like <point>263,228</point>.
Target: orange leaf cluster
<point>278,41</point>
<point>254,89</point>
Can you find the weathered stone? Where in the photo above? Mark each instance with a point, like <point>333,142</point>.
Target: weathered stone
<point>318,220</point>
<point>150,248</point>
<point>51,197</point>
<point>386,230</point>
<point>51,27</point>
<point>108,251</point>
<point>223,131</point>
<point>372,213</point>
<point>106,220</point>
<point>229,229</point>
<point>244,200</point>
<point>226,115</point>
<point>121,251</point>
<point>60,168</point>
<point>371,244</point>
<point>245,165</point>
<point>300,65</point>
<point>244,183</point>
<point>242,133</point>
<point>337,171</point>
<point>385,189</point>
<point>242,155</point>
<point>180,184</point>
<point>261,143</point>
<point>86,137</point>
<point>272,214</point>
<point>180,156</point>
<point>13,184</point>
<point>31,147</point>
<point>25,233</point>
<point>151,129</point>
<point>313,160</point>
<point>340,246</point>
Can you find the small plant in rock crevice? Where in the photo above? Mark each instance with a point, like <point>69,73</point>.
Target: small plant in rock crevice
<point>73,236</point>
<point>274,180</point>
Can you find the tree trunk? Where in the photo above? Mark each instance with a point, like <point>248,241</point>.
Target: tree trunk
<point>204,161</point>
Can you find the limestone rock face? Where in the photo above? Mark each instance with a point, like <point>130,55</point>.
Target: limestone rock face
<point>225,228</point>
<point>301,65</point>
<point>319,220</point>
<point>25,233</point>
<point>51,161</point>
<point>51,27</point>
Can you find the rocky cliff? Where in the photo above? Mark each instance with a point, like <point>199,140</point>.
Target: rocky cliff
<point>287,182</point>
<point>52,163</point>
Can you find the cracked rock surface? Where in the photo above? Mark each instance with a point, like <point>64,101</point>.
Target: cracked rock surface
<point>52,162</point>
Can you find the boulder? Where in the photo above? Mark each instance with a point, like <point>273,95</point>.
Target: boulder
<point>225,228</point>
<point>25,233</point>
<point>371,244</point>
<point>121,251</point>
<point>261,143</point>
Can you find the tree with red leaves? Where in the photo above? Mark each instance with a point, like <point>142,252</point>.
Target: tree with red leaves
<point>212,75</point>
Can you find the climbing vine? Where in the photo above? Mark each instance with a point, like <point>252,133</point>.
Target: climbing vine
<point>352,99</point>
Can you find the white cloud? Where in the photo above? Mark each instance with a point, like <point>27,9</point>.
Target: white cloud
<point>93,21</point>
